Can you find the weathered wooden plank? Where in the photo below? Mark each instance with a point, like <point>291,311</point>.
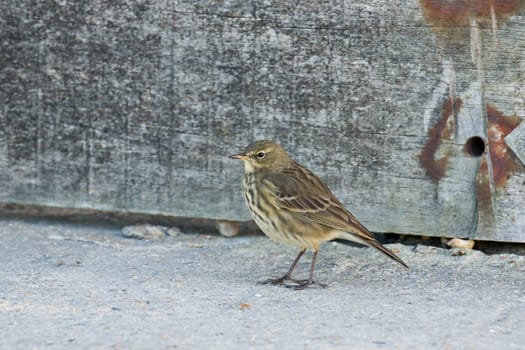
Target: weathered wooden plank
<point>134,106</point>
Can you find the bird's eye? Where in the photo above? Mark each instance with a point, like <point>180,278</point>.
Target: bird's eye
<point>261,155</point>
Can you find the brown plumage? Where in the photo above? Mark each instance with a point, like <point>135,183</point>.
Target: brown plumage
<point>290,204</point>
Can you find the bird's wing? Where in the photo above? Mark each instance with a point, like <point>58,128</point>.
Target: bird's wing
<point>300,191</point>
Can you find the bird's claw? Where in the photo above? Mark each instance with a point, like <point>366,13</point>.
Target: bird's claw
<point>303,284</point>
<point>276,281</point>
<point>295,283</point>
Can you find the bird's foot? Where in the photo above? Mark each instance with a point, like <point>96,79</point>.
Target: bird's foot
<point>277,281</point>
<point>288,282</point>
<point>303,284</point>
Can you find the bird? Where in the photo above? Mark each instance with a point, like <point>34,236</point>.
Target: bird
<point>292,205</point>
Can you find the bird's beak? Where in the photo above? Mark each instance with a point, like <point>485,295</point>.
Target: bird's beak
<point>239,156</point>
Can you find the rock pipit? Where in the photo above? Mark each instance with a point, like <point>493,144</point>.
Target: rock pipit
<point>290,204</point>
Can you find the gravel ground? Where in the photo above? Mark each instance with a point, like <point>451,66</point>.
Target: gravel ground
<point>66,285</point>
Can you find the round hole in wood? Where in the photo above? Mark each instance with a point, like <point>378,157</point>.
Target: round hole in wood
<point>475,146</point>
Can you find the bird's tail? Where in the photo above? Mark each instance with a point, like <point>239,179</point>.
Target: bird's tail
<point>386,251</point>
<point>373,243</point>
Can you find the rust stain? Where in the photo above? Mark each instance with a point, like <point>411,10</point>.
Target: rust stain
<point>434,167</point>
<point>484,193</point>
<point>454,13</point>
<point>483,182</point>
<point>503,162</point>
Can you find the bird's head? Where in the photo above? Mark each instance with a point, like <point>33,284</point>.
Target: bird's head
<point>263,155</point>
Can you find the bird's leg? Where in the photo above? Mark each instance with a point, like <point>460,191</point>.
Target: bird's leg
<point>310,281</point>
<point>288,275</point>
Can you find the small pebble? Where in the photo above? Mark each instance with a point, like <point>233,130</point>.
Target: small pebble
<point>459,251</point>
<point>465,251</point>
<point>173,231</point>
<point>227,228</point>
<point>425,249</point>
<point>145,231</point>
<point>461,243</point>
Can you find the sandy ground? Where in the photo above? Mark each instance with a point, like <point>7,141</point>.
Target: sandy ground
<point>65,285</point>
